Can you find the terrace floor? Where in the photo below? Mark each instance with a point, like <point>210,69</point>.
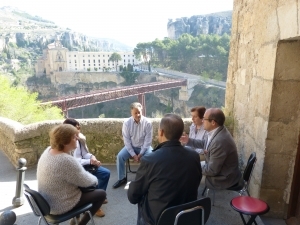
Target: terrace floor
<point>119,211</point>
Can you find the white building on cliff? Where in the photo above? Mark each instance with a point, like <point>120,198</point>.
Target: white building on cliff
<point>57,58</point>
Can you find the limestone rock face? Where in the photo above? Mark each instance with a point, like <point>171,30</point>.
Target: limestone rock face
<point>31,31</point>
<point>217,23</point>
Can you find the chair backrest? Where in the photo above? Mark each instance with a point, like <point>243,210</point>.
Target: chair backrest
<point>38,204</point>
<point>249,167</point>
<point>189,213</point>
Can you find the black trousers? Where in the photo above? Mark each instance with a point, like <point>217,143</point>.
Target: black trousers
<point>96,197</point>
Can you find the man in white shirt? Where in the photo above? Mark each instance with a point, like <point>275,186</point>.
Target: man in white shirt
<point>137,134</point>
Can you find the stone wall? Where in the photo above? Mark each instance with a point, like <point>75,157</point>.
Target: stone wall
<point>263,87</point>
<point>72,78</point>
<point>104,138</point>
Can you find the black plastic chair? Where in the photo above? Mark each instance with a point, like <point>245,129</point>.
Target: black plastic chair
<point>243,184</point>
<point>192,213</point>
<point>41,209</point>
<point>128,168</point>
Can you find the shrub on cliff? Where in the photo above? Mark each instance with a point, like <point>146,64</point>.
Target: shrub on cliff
<point>18,104</point>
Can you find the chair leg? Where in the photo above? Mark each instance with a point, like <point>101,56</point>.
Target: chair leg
<point>76,220</point>
<point>126,166</point>
<point>213,203</point>
<point>250,221</point>
<point>39,222</point>
<point>204,191</point>
<point>91,216</point>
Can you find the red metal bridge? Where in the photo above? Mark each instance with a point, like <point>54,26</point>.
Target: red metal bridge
<point>91,98</point>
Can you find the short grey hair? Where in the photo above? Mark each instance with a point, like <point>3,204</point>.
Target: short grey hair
<point>136,105</point>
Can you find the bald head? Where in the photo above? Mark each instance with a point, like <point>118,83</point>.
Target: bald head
<point>217,115</point>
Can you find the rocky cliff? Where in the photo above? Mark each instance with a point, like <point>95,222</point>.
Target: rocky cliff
<point>216,23</point>
<point>24,29</point>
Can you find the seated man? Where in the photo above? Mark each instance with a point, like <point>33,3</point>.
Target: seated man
<point>197,129</point>
<point>221,166</point>
<point>169,176</point>
<point>84,157</point>
<point>137,134</point>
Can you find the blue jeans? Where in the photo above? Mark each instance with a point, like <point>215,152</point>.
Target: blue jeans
<point>102,175</point>
<point>122,156</point>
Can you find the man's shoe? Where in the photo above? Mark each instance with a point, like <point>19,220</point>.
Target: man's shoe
<point>100,213</point>
<point>105,201</point>
<point>120,182</point>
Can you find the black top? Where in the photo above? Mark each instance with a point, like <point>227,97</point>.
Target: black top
<point>170,175</point>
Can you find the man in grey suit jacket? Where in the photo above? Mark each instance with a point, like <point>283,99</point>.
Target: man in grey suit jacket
<point>221,160</point>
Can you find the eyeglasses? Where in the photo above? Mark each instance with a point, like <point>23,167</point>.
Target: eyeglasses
<point>207,119</point>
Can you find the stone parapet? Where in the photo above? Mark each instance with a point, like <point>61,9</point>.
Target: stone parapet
<point>104,138</point>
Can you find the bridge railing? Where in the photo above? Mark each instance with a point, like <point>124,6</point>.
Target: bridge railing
<point>81,100</point>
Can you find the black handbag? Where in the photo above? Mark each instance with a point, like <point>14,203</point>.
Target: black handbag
<point>91,168</point>
<point>87,189</point>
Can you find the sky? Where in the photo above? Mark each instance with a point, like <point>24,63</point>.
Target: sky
<point>128,21</point>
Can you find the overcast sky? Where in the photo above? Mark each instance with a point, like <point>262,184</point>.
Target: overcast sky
<point>128,21</point>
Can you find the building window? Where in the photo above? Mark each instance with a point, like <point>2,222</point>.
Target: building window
<point>98,55</point>
<point>88,55</point>
<point>133,60</point>
<point>75,61</point>
<point>94,60</point>
<point>99,64</point>
<point>75,64</point>
<point>99,68</point>
<point>124,61</point>
<point>93,55</point>
<point>69,55</point>
<point>89,61</point>
<point>69,61</point>
<point>124,55</point>
<point>104,60</point>
<point>94,64</point>
<point>74,55</point>
<point>83,61</point>
<point>108,64</point>
<point>83,64</point>
<point>108,56</point>
<point>129,60</point>
<point>103,55</point>
<point>75,68</point>
<point>98,60</point>
<point>89,64</point>
<point>128,55</point>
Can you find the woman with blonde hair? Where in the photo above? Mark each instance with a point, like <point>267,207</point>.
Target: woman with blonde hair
<point>60,175</point>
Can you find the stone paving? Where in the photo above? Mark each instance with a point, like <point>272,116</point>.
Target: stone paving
<point>118,210</point>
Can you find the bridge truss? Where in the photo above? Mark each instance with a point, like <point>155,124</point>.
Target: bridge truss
<point>76,101</point>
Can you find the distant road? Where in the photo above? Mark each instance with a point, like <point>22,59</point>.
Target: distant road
<point>191,78</point>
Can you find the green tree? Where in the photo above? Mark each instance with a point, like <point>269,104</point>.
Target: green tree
<point>130,77</point>
<point>115,57</point>
<point>144,50</point>
<point>18,104</point>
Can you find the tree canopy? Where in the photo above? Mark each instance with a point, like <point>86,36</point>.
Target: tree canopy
<point>200,55</point>
<point>115,57</point>
<point>18,104</point>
